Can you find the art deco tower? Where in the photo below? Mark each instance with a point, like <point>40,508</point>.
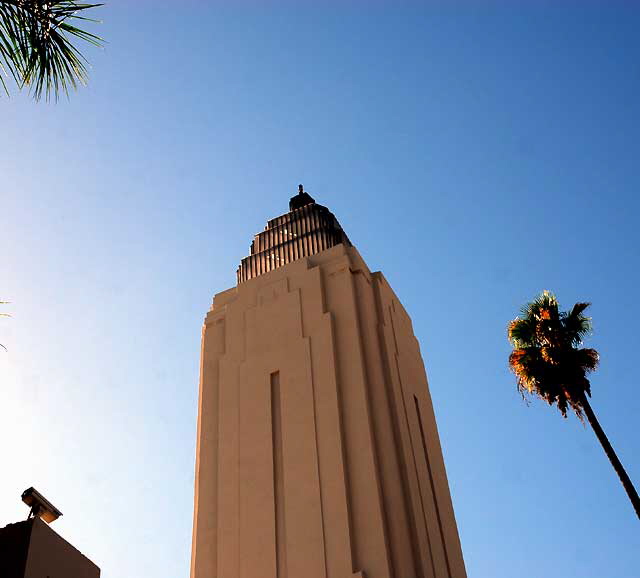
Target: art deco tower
<point>318,454</point>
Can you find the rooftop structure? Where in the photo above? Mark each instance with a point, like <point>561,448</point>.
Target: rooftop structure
<point>307,229</point>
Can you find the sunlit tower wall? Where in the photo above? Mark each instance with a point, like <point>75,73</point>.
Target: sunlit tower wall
<point>317,454</point>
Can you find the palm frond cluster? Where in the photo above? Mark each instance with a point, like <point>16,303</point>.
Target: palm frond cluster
<point>547,358</point>
<point>36,44</point>
<point>4,315</point>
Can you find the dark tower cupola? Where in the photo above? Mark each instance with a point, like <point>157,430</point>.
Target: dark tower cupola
<point>307,229</point>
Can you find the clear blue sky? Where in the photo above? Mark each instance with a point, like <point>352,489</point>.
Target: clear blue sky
<point>476,152</point>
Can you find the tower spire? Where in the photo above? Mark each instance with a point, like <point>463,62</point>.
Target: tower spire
<point>307,229</point>
<point>300,200</point>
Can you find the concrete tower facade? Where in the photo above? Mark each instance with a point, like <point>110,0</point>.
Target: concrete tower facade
<point>317,454</point>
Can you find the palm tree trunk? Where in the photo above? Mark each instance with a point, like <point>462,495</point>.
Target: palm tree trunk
<point>613,458</point>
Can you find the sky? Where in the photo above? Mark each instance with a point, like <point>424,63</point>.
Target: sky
<point>476,152</point>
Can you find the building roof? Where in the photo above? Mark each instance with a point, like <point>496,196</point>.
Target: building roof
<point>307,229</point>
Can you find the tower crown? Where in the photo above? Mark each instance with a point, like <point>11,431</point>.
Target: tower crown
<point>300,200</point>
<point>307,229</point>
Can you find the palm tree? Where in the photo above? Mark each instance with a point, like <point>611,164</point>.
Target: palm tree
<point>4,315</point>
<point>36,46</point>
<point>549,363</point>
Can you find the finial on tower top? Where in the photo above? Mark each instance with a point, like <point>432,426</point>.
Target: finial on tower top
<point>300,200</point>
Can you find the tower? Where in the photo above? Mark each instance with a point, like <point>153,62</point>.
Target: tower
<point>317,453</point>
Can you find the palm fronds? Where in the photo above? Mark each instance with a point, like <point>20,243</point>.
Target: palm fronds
<point>4,315</point>
<point>546,358</point>
<point>36,44</point>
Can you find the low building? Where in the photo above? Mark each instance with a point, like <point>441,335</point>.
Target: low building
<point>31,549</point>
